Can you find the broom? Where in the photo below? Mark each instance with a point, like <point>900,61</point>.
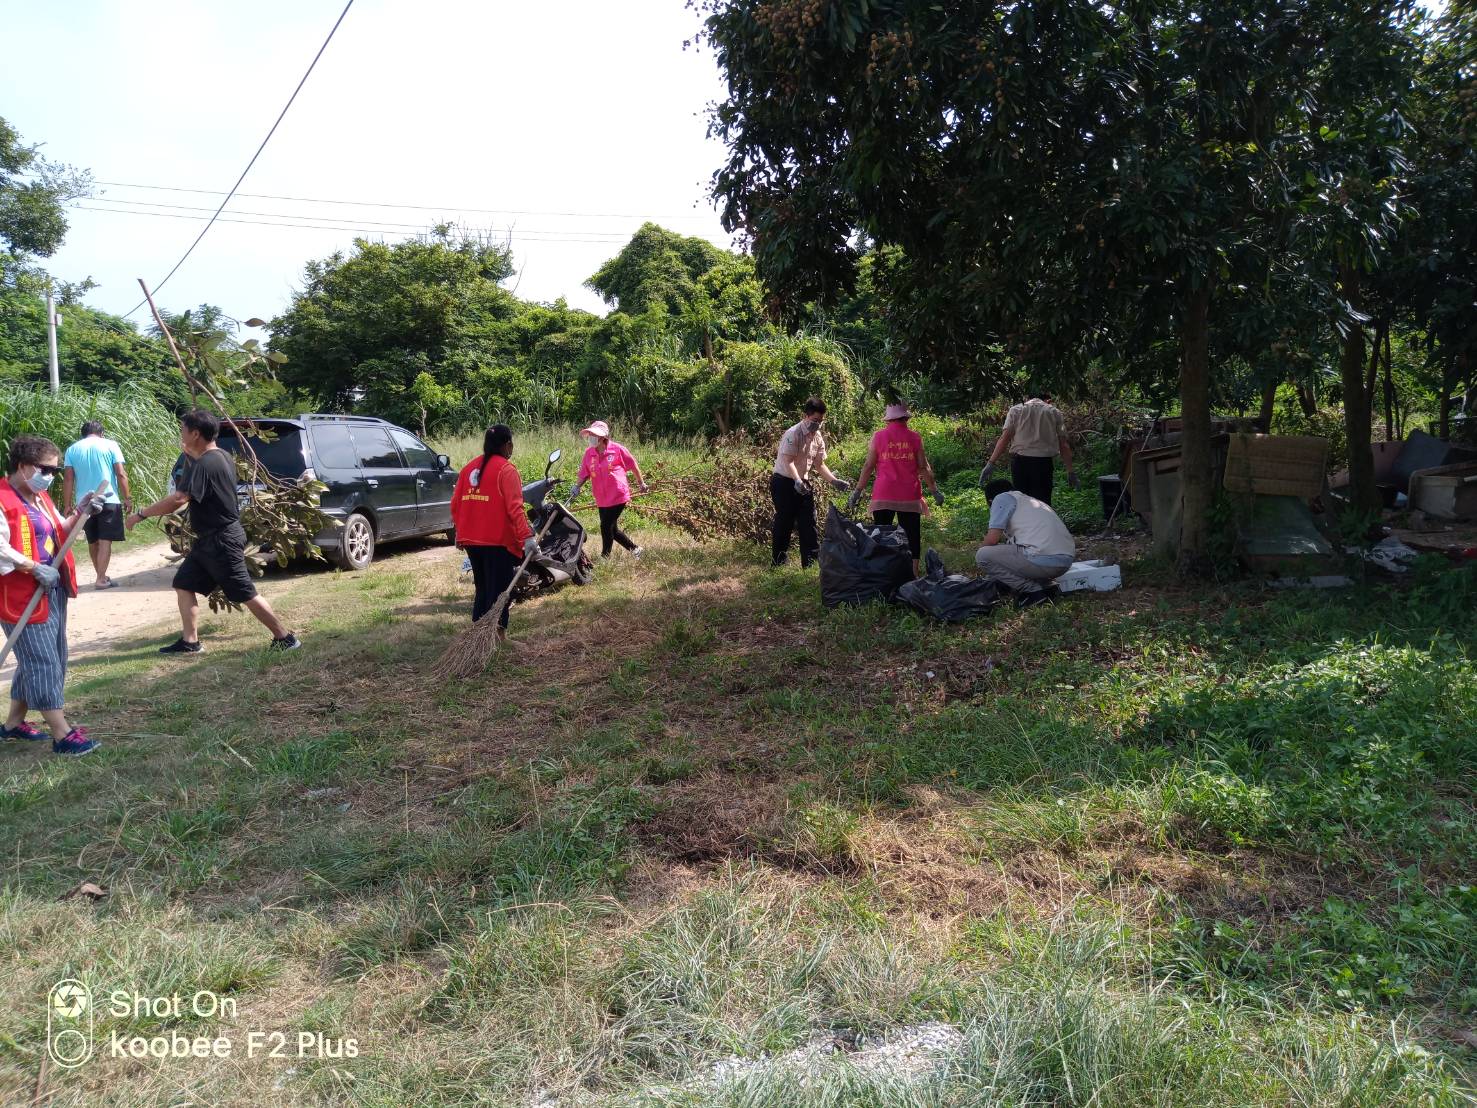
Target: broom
<point>473,648</point>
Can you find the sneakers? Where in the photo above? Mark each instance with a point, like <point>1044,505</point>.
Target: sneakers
<point>179,646</point>
<point>75,743</point>
<point>636,552</point>
<point>287,642</point>
<point>24,730</point>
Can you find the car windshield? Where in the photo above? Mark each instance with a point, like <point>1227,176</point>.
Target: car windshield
<point>281,451</point>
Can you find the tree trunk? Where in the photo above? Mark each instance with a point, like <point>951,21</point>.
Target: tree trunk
<point>1196,492</point>
<point>1363,496</point>
<point>1269,407</point>
<point>1390,429</point>
<point>1307,400</point>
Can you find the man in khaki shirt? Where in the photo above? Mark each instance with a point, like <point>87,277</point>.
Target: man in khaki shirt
<point>801,455</point>
<point>1033,435</point>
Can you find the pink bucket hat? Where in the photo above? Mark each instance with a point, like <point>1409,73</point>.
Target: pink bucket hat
<point>896,411</point>
<point>598,429</point>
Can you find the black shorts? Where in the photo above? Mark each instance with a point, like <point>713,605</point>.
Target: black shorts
<point>107,524</point>
<point>217,561</point>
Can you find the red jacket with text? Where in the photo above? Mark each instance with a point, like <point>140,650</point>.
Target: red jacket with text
<point>17,586</point>
<point>489,511</point>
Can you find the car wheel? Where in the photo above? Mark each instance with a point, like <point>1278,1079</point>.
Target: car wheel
<point>356,544</point>
<point>450,534</point>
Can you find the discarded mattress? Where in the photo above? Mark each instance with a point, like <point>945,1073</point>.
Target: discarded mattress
<point>862,562</point>
<point>950,597</point>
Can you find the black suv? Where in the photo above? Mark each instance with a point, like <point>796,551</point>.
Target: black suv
<point>383,482</point>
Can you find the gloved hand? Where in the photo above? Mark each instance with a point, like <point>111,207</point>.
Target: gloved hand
<point>938,497</point>
<point>802,487</point>
<point>853,500</point>
<point>90,504</point>
<point>987,473</point>
<point>645,487</point>
<point>574,493</point>
<point>840,484</point>
<point>530,546</point>
<point>46,576</point>
<point>1073,481</point>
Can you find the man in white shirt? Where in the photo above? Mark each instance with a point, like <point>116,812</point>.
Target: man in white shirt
<point>1028,546</point>
<point>801,456</point>
<point>1033,433</point>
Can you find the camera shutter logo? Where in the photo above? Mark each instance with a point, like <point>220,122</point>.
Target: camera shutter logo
<point>69,1023</point>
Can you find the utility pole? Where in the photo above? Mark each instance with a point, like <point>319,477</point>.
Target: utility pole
<point>56,373</point>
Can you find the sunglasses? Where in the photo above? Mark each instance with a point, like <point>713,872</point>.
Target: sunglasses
<point>49,471</point>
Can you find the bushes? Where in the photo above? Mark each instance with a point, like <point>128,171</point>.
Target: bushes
<point>147,431</point>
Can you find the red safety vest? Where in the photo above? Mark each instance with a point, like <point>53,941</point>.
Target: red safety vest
<point>17,587</point>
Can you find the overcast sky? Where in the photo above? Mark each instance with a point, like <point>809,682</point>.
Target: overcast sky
<point>572,121</point>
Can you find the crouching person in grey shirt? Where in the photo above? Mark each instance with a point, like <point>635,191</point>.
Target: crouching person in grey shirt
<point>1028,546</point>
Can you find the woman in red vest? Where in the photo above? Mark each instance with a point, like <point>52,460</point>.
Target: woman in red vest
<point>491,526</point>
<point>896,456</point>
<point>31,534</point>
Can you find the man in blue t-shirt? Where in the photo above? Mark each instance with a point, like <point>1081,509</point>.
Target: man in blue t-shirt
<point>91,461</point>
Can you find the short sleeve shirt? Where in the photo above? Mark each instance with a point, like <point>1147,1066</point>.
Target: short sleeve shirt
<point>92,460</point>
<point>809,451</point>
<point>1036,427</point>
<point>210,483</point>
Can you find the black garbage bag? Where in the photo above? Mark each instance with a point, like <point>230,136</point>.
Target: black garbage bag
<point>951,597</point>
<point>862,561</point>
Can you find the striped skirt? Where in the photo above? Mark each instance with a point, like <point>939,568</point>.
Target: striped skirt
<point>41,657</point>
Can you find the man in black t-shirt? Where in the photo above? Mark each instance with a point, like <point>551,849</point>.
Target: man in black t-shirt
<point>217,557</point>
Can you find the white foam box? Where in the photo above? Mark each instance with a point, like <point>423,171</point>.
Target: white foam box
<point>1093,576</point>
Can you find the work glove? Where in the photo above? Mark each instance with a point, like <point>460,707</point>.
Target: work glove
<point>46,576</point>
<point>987,473</point>
<point>840,484</point>
<point>530,546</point>
<point>1073,481</point>
<point>574,493</point>
<point>802,487</point>
<point>90,504</point>
<point>853,500</point>
<point>938,497</point>
<point>645,487</point>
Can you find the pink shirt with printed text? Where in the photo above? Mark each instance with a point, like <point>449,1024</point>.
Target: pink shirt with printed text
<point>606,470</point>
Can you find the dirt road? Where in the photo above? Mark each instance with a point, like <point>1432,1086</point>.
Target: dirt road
<point>97,621</point>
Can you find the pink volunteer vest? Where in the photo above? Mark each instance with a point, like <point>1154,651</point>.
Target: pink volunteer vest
<point>898,449</point>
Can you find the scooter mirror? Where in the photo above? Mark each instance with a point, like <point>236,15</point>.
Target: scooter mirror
<point>554,457</point>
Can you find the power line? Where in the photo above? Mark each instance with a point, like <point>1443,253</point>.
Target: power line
<point>280,116</point>
<point>544,236</point>
<point>377,204</point>
<point>316,219</point>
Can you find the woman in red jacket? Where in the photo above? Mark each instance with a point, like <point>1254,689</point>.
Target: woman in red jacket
<point>31,536</point>
<point>491,526</point>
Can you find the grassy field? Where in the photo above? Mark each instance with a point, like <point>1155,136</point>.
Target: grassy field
<point>1165,846</point>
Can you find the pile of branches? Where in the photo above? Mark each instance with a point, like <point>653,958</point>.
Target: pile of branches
<point>725,497</point>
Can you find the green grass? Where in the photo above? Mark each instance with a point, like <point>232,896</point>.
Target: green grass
<point>1166,846</point>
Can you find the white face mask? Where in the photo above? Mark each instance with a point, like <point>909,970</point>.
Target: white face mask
<point>39,482</point>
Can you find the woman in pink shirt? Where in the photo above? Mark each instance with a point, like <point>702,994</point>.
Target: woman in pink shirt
<point>896,457</point>
<point>605,465</point>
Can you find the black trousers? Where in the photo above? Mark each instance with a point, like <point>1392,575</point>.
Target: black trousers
<point>493,569</point>
<point>610,533</point>
<point>792,510</point>
<point>910,522</point>
<point>1033,476</point>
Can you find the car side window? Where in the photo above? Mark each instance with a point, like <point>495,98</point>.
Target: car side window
<point>417,454</point>
<point>374,448</point>
<point>332,448</point>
